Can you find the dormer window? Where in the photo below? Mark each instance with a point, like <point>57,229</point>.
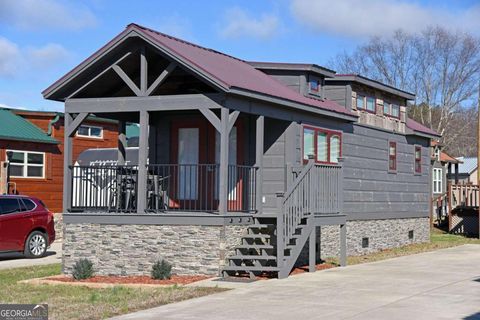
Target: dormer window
<point>314,85</point>
<point>366,103</point>
<point>391,109</point>
<point>370,104</point>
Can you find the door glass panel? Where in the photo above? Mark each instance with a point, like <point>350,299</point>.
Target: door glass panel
<point>188,155</point>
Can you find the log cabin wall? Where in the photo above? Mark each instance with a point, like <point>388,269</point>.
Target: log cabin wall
<point>50,188</point>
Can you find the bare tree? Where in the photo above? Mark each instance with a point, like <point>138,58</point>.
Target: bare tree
<point>440,66</point>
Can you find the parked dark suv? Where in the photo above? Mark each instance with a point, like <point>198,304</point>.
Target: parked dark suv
<point>26,226</point>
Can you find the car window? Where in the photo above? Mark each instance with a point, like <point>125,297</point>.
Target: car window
<point>10,205</point>
<point>29,204</point>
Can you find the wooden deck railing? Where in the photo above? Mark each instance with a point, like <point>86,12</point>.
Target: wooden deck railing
<point>463,195</point>
<point>317,189</point>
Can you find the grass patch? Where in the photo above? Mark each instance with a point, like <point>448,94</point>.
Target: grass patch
<point>76,302</point>
<point>438,240</point>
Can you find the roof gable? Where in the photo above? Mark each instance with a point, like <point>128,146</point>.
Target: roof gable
<point>224,72</point>
<point>16,128</point>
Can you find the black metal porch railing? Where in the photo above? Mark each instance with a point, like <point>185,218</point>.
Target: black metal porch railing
<point>104,188</point>
<point>195,187</point>
<point>170,187</point>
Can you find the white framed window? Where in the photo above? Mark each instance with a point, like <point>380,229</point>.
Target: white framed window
<point>437,180</point>
<point>26,164</point>
<point>90,132</point>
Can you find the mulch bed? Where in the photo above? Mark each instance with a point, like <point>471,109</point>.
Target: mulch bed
<point>175,279</point>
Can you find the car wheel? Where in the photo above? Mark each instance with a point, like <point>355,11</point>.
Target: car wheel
<point>36,245</point>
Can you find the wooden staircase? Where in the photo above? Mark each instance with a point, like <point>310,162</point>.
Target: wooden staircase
<point>257,253</point>
<point>273,244</point>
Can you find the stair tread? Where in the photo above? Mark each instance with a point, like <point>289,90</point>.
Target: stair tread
<point>250,268</point>
<point>254,246</point>
<point>252,257</point>
<point>256,236</point>
<point>260,226</point>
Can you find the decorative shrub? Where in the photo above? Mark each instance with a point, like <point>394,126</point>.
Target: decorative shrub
<point>83,269</point>
<point>161,270</point>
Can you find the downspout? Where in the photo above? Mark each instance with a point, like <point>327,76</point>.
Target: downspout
<point>51,123</point>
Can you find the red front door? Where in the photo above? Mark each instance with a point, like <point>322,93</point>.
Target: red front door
<point>195,147</point>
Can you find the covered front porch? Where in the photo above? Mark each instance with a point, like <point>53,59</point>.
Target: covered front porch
<point>183,170</point>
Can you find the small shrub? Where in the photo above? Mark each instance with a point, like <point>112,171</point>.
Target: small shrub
<point>161,270</point>
<point>83,269</point>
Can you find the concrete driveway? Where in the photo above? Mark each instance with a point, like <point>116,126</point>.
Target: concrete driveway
<point>16,260</point>
<point>437,285</point>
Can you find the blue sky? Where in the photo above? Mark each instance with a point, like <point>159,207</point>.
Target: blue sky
<point>40,40</point>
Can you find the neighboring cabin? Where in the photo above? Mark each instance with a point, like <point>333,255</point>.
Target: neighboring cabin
<point>35,140</point>
<point>467,171</point>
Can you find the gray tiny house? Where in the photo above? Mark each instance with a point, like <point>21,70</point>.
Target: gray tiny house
<point>243,167</point>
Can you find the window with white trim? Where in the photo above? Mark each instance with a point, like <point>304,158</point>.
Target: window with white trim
<point>437,180</point>
<point>90,132</point>
<point>26,164</point>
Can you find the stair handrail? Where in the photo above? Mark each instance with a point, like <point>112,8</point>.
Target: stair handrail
<point>288,219</point>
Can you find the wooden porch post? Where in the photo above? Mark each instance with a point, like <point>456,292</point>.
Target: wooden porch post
<point>456,173</point>
<point>343,245</point>
<point>259,150</point>
<point>142,163</point>
<point>224,137</point>
<point>311,248</point>
<point>67,162</point>
<point>122,143</point>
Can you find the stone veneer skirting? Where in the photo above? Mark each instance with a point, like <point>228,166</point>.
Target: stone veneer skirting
<point>192,249</point>
<point>132,249</point>
<point>381,234</point>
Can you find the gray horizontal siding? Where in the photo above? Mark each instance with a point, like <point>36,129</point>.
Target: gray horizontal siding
<point>337,94</point>
<point>370,190</point>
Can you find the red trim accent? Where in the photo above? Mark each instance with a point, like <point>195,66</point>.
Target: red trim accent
<point>330,134</point>
<point>392,159</point>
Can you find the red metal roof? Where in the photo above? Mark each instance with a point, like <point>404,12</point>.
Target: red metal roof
<point>233,72</point>
<point>226,70</point>
<point>415,126</point>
